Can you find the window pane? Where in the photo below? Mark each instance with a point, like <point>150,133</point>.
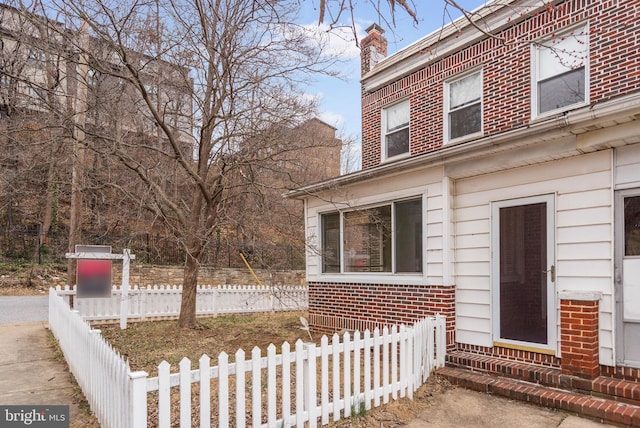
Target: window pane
<point>465,121</point>
<point>632,226</point>
<point>367,246</point>
<point>465,91</point>
<point>331,242</point>
<point>398,142</point>
<point>561,91</point>
<point>563,54</point>
<point>408,243</point>
<point>397,116</point>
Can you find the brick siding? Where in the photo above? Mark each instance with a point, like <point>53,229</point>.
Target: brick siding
<point>614,71</point>
<point>335,307</point>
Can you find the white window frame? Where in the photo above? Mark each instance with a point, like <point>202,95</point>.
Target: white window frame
<point>417,278</point>
<point>581,29</point>
<point>384,132</point>
<point>447,107</point>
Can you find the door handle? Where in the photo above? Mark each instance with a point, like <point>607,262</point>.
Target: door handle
<point>551,270</point>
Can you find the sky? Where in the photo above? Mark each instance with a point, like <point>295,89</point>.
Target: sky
<point>340,98</point>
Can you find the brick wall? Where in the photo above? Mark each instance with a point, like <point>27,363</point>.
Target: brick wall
<point>334,307</point>
<point>614,71</point>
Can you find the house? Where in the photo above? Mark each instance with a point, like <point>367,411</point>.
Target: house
<point>500,186</point>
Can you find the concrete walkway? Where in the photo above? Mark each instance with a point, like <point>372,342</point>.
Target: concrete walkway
<point>30,374</point>
<point>459,407</point>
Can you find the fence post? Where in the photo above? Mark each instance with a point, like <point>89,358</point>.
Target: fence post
<point>138,404</point>
<point>310,385</point>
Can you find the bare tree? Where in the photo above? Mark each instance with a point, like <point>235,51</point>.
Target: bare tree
<point>199,89</point>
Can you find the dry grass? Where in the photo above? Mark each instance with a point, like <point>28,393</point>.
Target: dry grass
<point>146,344</point>
<point>29,280</point>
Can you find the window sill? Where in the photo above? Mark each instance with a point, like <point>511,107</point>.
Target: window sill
<point>396,158</point>
<point>556,113</point>
<point>464,139</point>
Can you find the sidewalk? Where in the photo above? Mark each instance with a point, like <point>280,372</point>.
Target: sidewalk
<point>29,373</point>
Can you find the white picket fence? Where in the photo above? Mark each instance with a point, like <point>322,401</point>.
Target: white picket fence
<point>101,373</point>
<point>301,387</point>
<point>163,301</point>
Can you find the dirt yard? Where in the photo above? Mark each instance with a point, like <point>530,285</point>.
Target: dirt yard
<point>147,344</point>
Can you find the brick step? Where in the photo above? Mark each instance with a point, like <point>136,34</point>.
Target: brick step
<point>596,408</point>
<point>607,387</point>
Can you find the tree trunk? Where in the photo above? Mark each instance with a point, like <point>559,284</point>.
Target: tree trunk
<point>187,317</point>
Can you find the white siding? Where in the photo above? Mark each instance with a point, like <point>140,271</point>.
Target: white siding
<point>584,237</point>
<point>627,163</point>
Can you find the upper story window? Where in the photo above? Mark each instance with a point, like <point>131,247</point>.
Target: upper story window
<point>395,130</point>
<point>463,106</point>
<point>385,238</point>
<point>560,72</point>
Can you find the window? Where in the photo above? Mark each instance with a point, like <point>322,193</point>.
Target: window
<point>331,242</point>
<point>560,72</point>
<point>464,106</point>
<point>396,129</point>
<point>386,238</point>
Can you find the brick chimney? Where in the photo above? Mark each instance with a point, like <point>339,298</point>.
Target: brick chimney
<point>373,48</point>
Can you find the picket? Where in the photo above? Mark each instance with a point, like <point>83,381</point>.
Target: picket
<point>303,386</point>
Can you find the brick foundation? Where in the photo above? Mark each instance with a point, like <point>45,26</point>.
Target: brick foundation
<point>335,307</point>
<point>510,354</point>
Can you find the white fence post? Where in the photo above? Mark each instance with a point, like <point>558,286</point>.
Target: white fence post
<point>310,385</point>
<point>138,403</point>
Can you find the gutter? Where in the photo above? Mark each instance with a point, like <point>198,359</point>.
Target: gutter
<point>525,136</point>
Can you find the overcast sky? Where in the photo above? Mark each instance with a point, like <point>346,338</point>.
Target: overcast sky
<point>340,99</point>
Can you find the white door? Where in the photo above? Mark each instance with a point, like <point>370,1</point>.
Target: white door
<point>523,272</point>
<point>627,277</point>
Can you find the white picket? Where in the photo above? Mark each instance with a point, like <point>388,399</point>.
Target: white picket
<point>241,415</point>
<point>185,393</point>
<point>164,395</point>
<point>286,383</point>
<point>205,388</point>
<point>223,391</point>
<point>335,359</point>
<point>300,360</point>
<point>347,374</point>
<point>256,388</point>
<point>367,370</point>
<point>376,368</point>
<point>324,379</point>
<point>272,413</point>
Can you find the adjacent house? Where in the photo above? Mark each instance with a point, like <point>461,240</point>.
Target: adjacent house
<point>500,186</point>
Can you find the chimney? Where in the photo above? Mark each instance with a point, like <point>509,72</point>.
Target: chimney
<point>373,48</point>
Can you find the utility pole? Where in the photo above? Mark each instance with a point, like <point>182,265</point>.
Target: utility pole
<point>78,139</point>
